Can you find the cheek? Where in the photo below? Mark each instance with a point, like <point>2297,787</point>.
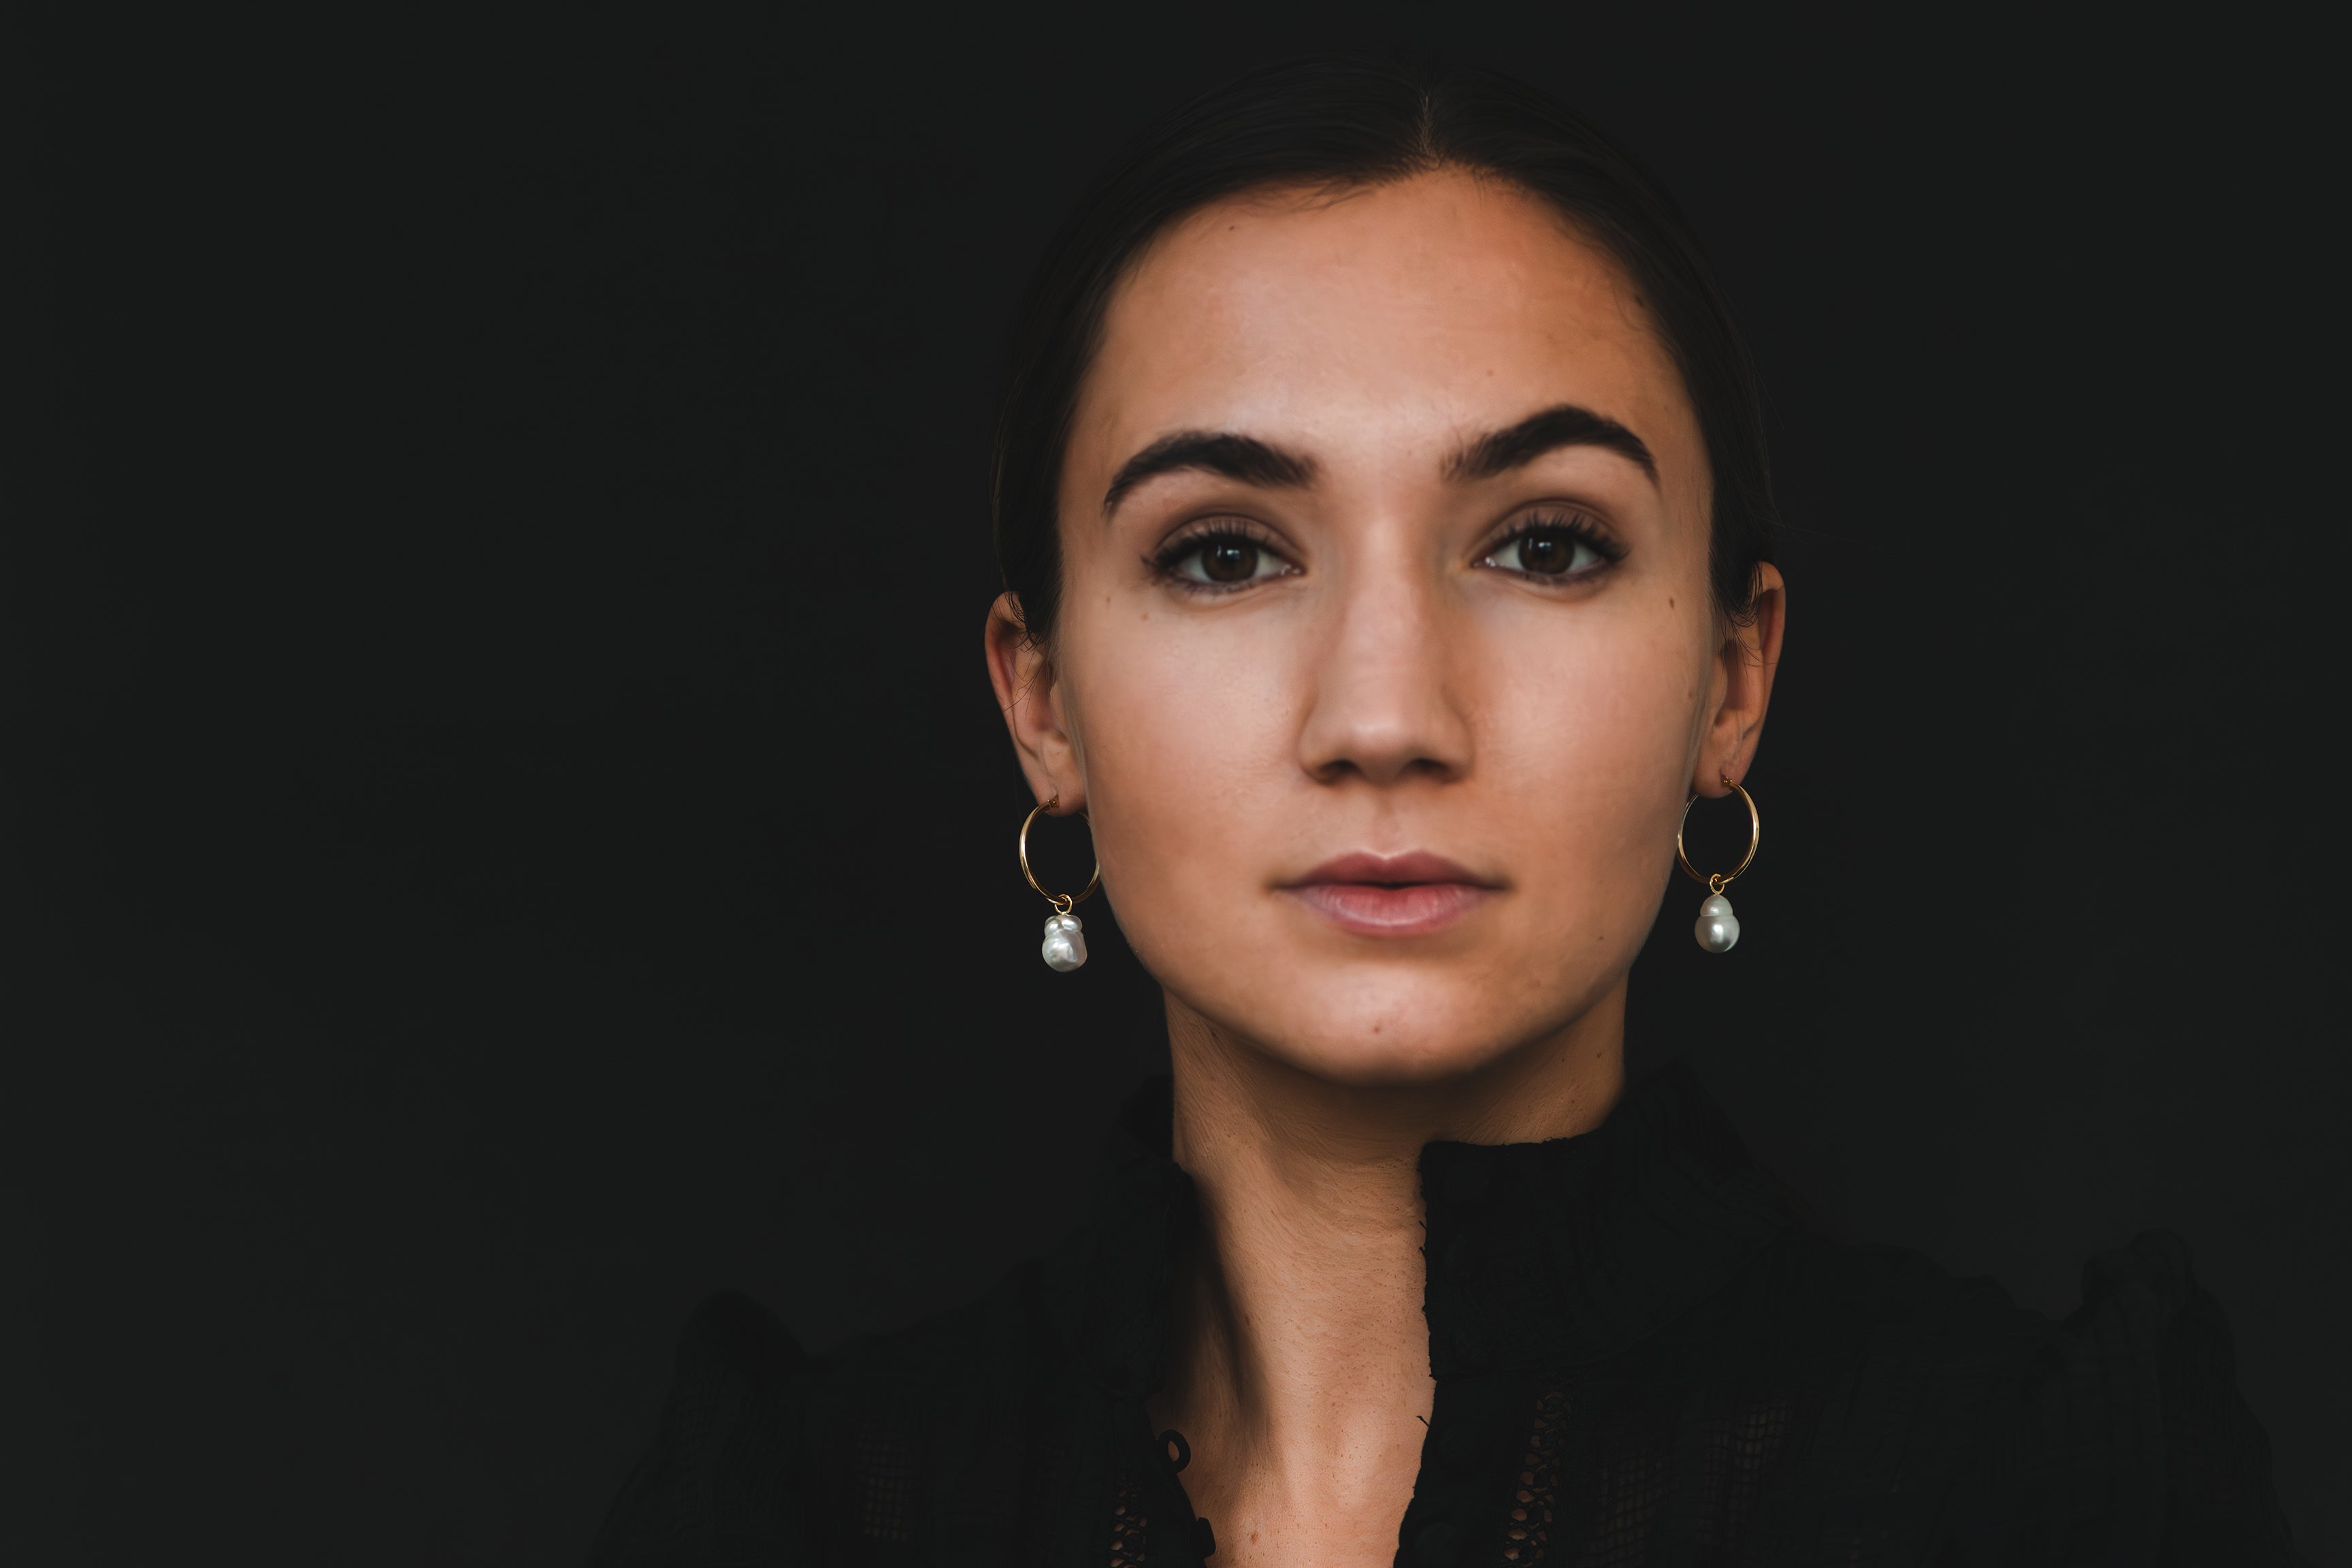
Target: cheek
<point>1186,732</point>
<point>1585,748</point>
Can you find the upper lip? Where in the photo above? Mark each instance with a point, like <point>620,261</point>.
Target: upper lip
<point>1391,870</point>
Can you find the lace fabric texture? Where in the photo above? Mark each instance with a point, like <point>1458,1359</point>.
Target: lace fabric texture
<point>1615,1515</point>
<point>884,1460</point>
<point>1530,1531</point>
<point>1130,1527</point>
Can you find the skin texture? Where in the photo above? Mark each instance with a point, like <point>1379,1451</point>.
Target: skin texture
<point>1385,682</point>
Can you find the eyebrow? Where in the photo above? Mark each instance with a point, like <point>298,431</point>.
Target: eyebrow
<point>1242,458</point>
<point>1565,425</point>
<point>1256,462</point>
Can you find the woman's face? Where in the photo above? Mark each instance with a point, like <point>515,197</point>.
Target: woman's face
<point>1386,657</point>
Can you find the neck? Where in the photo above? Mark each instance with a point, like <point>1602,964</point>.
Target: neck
<point>1301,1367</point>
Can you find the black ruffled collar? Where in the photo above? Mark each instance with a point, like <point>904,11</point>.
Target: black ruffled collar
<point>1541,1256</point>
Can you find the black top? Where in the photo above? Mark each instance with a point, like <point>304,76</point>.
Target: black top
<point>1643,1356</point>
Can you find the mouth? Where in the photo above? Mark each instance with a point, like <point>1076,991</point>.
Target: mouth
<point>1385,895</point>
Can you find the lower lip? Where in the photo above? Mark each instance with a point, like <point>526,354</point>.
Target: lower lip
<point>1371,910</point>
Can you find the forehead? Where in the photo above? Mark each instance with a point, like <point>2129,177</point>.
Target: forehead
<point>1391,318</point>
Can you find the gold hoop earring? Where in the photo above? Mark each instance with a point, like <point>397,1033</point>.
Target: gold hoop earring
<point>1065,947</point>
<point>1717,927</point>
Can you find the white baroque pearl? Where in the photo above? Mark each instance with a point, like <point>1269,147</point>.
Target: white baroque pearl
<point>1066,943</point>
<point>1719,927</point>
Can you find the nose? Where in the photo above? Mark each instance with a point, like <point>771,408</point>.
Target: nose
<point>1384,707</point>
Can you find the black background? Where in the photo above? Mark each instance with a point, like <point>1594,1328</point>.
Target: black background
<point>505,831</point>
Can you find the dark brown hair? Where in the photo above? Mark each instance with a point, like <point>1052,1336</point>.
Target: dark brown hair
<point>1342,122</point>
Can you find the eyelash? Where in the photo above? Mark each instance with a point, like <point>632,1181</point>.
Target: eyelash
<point>1574,525</point>
<point>1164,563</point>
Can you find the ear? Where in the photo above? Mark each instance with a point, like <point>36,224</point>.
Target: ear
<point>1030,699</point>
<point>1744,666</point>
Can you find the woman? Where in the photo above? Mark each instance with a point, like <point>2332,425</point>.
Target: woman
<point>1383,512</point>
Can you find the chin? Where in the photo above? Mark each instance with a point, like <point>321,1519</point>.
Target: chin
<point>1435,1012</point>
<point>1361,1036</point>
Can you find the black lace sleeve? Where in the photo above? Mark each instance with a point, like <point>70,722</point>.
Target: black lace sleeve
<point>727,1479</point>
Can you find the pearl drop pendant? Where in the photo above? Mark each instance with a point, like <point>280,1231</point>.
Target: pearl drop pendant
<point>1717,928</point>
<point>1065,947</point>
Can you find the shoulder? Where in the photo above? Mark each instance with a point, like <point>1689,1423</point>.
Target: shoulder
<point>759,1444</point>
<point>721,1482</point>
<point>2149,1333</point>
<point>2120,1425</point>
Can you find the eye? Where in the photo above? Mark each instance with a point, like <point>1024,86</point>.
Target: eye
<point>1223,560</point>
<point>1549,547</point>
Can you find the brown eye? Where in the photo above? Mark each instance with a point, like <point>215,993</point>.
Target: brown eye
<point>1547,553</point>
<point>1543,552</point>
<point>1232,560</point>
<point>1229,561</point>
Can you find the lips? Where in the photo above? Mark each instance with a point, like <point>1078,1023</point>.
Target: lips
<point>1399,895</point>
